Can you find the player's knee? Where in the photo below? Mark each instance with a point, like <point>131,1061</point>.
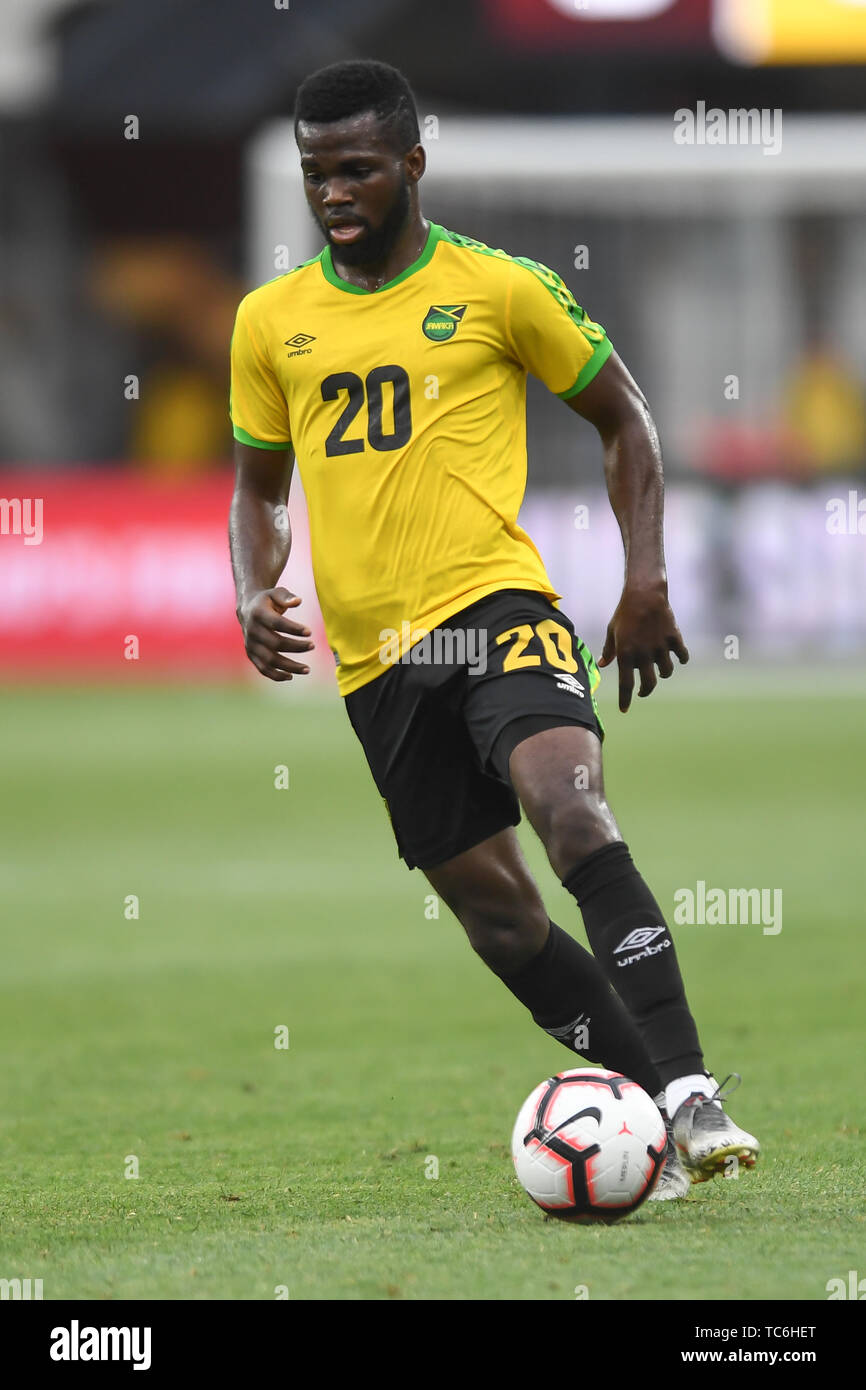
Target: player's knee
<point>576,829</point>
<point>506,938</point>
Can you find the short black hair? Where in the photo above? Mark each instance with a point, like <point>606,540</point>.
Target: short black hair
<point>361,84</point>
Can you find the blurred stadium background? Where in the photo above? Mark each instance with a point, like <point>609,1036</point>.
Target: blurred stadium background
<point>148,180</point>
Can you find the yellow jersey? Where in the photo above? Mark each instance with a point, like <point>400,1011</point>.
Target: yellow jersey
<point>406,410</point>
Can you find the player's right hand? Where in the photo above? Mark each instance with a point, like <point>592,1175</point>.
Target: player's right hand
<point>268,635</point>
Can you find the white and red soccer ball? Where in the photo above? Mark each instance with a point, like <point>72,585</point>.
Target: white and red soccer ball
<point>589,1145</point>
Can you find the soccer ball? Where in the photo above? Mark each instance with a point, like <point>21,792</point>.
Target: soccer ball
<point>589,1145</point>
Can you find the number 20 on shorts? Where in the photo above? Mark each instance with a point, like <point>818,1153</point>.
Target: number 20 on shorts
<point>555,643</point>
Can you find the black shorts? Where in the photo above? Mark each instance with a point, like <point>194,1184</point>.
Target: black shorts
<point>439,726</point>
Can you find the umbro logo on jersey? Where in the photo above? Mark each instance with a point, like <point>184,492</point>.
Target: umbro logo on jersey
<point>299,343</point>
<point>442,321</point>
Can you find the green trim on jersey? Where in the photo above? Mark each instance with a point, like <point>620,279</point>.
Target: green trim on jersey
<point>549,278</point>
<point>470,244</point>
<point>556,286</point>
<point>243,438</point>
<point>434,236</point>
<point>594,365</point>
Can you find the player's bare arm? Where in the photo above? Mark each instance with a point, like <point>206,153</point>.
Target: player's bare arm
<point>260,538</point>
<point>643,631</point>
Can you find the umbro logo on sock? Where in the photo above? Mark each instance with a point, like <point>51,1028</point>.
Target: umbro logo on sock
<point>641,936</point>
<point>638,941</point>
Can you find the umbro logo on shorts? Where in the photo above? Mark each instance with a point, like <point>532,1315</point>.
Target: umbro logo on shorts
<point>641,936</point>
<point>569,682</point>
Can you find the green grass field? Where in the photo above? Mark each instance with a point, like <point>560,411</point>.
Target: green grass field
<point>153,1039</point>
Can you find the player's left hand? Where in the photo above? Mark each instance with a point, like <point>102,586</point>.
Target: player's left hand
<point>641,636</point>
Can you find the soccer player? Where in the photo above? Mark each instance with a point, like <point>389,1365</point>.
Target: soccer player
<point>393,367</point>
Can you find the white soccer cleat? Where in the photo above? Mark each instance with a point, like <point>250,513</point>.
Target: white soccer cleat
<point>707,1140</point>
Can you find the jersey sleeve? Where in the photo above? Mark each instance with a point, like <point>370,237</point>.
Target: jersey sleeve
<point>257,404</point>
<point>550,334</point>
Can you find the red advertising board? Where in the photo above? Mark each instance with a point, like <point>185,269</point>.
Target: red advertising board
<point>113,574</point>
<point>601,25</point>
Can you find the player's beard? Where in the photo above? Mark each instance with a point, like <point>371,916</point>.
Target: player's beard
<point>377,243</point>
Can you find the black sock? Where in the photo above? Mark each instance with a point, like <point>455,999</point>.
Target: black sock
<point>567,994</point>
<point>628,934</point>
